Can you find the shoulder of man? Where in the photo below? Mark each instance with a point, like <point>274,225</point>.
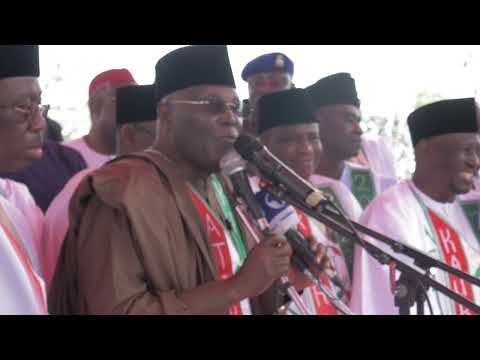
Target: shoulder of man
<point>393,200</point>
<point>122,181</point>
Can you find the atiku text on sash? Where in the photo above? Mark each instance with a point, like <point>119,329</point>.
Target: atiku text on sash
<point>323,305</point>
<point>454,256</point>
<point>218,238</point>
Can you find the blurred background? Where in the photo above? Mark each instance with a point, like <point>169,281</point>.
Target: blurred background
<point>391,80</point>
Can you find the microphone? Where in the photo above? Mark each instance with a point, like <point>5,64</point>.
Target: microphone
<point>269,212</point>
<point>233,166</point>
<point>274,170</point>
<point>281,222</point>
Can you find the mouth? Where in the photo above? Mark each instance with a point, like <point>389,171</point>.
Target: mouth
<point>305,162</point>
<point>468,177</point>
<point>229,138</point>
<point>35,151</point>
<point>303,167</point>
<point>36,145</point>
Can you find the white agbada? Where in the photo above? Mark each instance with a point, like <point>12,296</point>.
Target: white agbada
<point>56,225</point>
<point>398,214</point>
<point>378,153</point>
<point>25,214</point>
<point>18,277</point>
<point>91,157</point>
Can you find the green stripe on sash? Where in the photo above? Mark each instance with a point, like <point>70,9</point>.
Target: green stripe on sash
<point>228,213</point>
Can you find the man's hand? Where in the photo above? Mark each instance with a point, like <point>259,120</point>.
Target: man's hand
<point>265,263</point>
<point>301,281</point>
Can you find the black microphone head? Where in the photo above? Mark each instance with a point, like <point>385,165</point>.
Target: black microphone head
<point>247,145</point>
<point>231,163</point>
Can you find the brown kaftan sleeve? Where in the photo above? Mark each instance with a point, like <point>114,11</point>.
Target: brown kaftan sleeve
<point>126,251</point>
<point>111,272</point>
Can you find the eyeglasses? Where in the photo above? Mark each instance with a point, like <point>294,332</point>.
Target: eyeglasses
<point>27,110</point>
<point>215,106</point>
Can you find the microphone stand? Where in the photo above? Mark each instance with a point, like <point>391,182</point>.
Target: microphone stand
<point>413,277</point>
<point>336,302</point>
<point>263,226</point>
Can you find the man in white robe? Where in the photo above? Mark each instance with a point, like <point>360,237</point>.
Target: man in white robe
<point>424,212</point>
<point>21,127</point>
<point>337,110</point>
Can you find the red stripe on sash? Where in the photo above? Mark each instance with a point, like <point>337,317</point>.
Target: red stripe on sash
<point>454,256</point>
<point>323,305</point>
<point>218,238</point>
<point>32,277</point>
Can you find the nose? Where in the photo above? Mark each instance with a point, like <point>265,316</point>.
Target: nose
<point>229,118</point>
<point>473,161</point>
<point>357,129</point>
<point>476,161</point>
<point>38,123</point>
<point>305,147</point>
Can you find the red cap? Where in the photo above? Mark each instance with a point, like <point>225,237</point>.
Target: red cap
<point>112,77</point>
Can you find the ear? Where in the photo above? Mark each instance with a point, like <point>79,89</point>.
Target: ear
<point>167,123</point>
<point>425,148</point>
<point>95,105</point>
<point>322,119</point>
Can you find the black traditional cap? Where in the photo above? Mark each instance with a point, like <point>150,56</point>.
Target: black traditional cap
<point>336,89</point>
<point>19,61</point>
<point>443,117</point>
<point>288,107</point>
<point>193,65</point>
<point>136,103</point>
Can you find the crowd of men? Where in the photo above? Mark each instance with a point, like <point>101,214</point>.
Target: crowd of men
<point>136,217</point>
